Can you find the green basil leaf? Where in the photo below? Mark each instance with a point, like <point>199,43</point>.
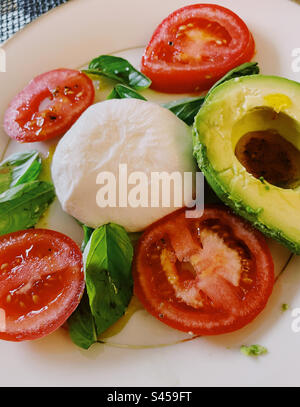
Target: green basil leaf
<point>86,237</point>
<point>19,168</point>
<point>186,109</point>
<point>81,324</point>
<point>249,68</point>
<point>124,92</point>
<point>113,95</point>
<point>118,69</point>
<point>22,206</point>
<point>107,261</point>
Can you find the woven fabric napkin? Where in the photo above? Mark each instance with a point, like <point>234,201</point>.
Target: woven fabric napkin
<point>15,14</point>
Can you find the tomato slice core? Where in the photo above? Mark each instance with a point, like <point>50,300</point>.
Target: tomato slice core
<point>207,276</point>
<point>41,282</point>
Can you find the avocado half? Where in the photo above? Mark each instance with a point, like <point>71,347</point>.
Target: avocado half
<point>247,143</point>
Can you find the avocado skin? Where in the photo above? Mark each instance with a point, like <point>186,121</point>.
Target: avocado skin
<point>238,206</point>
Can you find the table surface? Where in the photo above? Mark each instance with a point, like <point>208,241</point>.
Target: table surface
<point>15,14</point>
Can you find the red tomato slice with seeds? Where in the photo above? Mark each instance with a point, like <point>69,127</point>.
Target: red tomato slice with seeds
<point>194,47</point>
<point>41,282</point>
<point>209,275</point>
<point>49,105</point>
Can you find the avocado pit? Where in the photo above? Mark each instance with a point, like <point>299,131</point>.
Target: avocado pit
<point>269,156</point>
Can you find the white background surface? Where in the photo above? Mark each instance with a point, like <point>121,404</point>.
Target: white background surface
<point>68,37</point>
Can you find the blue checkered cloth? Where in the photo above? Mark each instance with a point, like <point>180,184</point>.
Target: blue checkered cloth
<point>15,14</point>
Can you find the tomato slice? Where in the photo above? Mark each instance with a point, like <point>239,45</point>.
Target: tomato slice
<point>206,276</point>
<point>49,105</point>
<point>194,47</point>
<point>41,282</point>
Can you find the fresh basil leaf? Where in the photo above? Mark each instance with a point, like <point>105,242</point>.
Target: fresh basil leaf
<point>107,261</point>
<point>118,69</point>
<point>81,324</point>
<point>22,206</point>
<point>249,68</point>
<point>86,237</point>
<point>19,168</point>
<point>113,95</point>
<point>124,92</point>
<point>186,109</point>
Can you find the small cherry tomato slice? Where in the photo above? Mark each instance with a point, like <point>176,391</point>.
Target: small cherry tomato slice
<point>208,275</point>
<point>49,105</point>
<point>194,47</point>
<point>41,282</point>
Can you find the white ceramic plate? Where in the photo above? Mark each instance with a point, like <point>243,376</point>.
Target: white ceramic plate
<point>70,36</point>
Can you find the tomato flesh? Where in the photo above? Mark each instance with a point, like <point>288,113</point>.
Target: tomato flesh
<point>194,47</point>
<point>41,282</point>
<point>207,276</point>
<point>49,105</point>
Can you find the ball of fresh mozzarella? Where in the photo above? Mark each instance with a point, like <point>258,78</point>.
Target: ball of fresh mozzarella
<point>145,136</point>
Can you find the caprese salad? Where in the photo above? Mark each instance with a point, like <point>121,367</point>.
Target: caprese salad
<point>205,275</point>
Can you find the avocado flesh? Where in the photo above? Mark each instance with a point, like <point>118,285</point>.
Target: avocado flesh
<point>252,104</point>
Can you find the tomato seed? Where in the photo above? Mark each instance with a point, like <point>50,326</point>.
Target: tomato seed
<point>35,299</point>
